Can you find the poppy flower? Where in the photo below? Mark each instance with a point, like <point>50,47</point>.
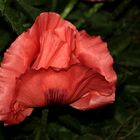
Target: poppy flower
<point>53,62</point>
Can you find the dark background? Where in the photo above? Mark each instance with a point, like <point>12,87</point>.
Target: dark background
<point>118,23</point>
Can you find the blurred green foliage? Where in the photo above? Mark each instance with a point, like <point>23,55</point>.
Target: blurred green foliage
<point>118,22</point>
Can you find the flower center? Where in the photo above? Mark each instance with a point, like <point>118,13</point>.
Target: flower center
<point>55,96</point>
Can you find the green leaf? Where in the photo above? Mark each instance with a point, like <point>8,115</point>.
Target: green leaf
<point>101,23</point>
<point>119,43</point>
<point>68,8</point>
<point>15,19</point>
<point>121,113</point>
<point>4,39</point>
<point>30,126</point>
<point>2,5</point>
<point>70,122</point>
<point>129,58</point>
<point>31,11</point>
<point>89,137</point>
<point>58,132</point>
<point>133,88</point>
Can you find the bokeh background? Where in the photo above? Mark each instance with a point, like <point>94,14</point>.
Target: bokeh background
<point>118,23</point>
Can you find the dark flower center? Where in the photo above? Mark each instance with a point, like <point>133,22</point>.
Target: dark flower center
<point>55,96</point>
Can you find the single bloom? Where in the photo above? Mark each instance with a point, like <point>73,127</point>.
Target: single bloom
<point>53,62</point>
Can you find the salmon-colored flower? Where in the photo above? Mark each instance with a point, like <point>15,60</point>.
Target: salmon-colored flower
<point>54,63</point>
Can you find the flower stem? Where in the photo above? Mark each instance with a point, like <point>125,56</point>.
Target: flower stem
<point>69,8</point>
<point>91,11</point>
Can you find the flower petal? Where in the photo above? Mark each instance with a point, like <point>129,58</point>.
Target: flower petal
<point>16,61</point>
<point>93,81</point>
<point>43,66</point>
<point>93,53</point>
<point>54,51</point>
<point>21,55</point>
<point>48,21</point>
<point>93,100</point>
<point>33,88</point>
<point>41,87</point>
<point>15,117</point>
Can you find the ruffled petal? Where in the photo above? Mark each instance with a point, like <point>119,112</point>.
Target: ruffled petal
<point>16,61</point>
<point>17,115</point>
<point>48,21</point>
<point>53,63</point>
<point>93,100</point>
<point>23,51</point>
<point>92,52</point>
<point>20,55</point>
<point>54,51</point>
<point>39,87</point>
<point>93,81</point>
